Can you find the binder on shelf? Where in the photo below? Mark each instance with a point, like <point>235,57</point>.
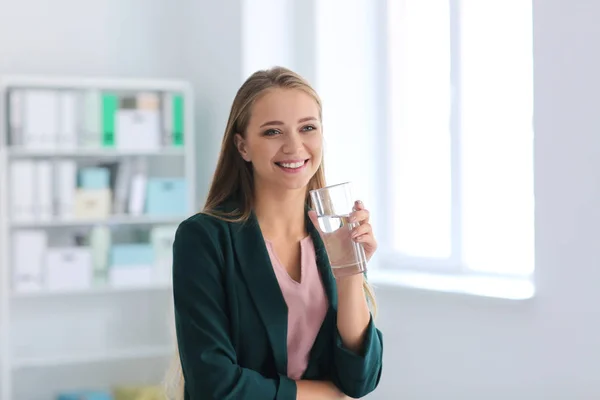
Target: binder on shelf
<point>41,122</point>
<point>110,105</point>
<point>15,118</point>
<point>92,125</point>
<point>100,244</point>
<point>22,191</point>
<point>43,191</point>
<point>137,194</point>
<point>69,121</point>
<point>29,250</point>
<point>178,124</point>
<point>167,119</point>
<point>66,183</point>
<point>122,186</point>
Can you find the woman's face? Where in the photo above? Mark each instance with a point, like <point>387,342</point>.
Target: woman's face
<point>283,139</point>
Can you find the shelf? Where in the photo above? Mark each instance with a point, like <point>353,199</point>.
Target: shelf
<point>22,311</point>
<point>15,153</point>
<point>96,291</point>
<point>119,355</point>
<point>116,220</point>
<point>83,82</point>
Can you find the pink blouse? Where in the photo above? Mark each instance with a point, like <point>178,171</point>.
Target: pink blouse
<point>307,305</point>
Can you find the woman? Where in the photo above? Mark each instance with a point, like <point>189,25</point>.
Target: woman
<point>258,313</point>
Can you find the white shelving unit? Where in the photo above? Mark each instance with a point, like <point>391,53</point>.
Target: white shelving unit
<point>108,314</point>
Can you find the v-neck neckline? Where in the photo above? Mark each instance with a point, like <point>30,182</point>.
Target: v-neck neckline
<point>279,265</point>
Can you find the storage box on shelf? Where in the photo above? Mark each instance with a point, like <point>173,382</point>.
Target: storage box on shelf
<point>95,176</point>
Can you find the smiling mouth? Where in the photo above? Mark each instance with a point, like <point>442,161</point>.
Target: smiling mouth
<point>292,165</point>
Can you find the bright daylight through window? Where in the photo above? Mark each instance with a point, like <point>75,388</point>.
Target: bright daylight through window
<point>461,135</point>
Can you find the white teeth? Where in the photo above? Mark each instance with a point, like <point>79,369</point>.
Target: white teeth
<point>292,165</point>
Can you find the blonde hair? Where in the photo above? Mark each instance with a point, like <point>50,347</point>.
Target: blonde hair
<point>233,177</point>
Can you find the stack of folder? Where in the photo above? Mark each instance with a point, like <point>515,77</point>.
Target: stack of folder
<point>42,119</point>
<point>96,262</point>
<point>61,191</point>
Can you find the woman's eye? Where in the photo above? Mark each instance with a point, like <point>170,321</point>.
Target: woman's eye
<point>308,128</point>
<point>271,132</point>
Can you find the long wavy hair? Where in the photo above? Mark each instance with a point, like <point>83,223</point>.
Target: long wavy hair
<point>234,179</point>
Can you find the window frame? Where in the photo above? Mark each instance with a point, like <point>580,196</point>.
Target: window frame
<point>388,260</point>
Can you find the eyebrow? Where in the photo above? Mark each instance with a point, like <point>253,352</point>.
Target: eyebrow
<point>305,119</point>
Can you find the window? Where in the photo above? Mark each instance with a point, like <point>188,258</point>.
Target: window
<point>460,147</point>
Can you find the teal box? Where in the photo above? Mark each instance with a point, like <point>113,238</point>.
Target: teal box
<point>85,396</point>
<point>166,197</point>
<point>94,178</point>
<point>132,254</point>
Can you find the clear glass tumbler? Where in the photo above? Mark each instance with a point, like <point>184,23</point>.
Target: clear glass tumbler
<point>333,205</point>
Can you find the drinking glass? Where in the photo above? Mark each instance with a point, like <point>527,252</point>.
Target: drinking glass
<point>333,205</point>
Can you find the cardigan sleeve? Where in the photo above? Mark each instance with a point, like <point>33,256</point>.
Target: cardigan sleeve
<point>358,374</point>
<point>208,358</point>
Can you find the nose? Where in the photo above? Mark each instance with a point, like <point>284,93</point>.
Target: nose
<point>292,143</point>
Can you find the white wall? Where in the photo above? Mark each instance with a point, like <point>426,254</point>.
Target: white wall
<point>212,61</point>
<point>112,37</point>
<point>441,346</point>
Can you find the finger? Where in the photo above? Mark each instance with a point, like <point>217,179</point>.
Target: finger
<point>361,216</point>
<point>361,230</point>
<point>358,205</point>
<point>367,240</point>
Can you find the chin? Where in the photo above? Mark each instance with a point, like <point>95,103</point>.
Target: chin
<point>295,186</point>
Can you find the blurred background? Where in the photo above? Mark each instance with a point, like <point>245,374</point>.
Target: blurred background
<point>468,127</point>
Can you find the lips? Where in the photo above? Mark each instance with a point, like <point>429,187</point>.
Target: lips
<point>292,164</point>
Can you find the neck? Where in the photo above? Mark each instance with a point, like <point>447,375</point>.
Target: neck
<point>280,213</point>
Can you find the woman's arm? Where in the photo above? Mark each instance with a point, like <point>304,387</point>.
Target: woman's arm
<point>358,345</point>
<point>353,312</point>
<point>208,358</point>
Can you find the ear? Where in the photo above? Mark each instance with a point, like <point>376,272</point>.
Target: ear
<point>240,144</point>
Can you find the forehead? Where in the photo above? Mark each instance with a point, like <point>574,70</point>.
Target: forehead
<point>286,105</point>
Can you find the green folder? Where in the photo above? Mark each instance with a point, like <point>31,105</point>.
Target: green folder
<point>110,105</point>
<point>178,120</point>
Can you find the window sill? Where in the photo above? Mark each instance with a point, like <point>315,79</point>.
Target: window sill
<point>476,285</point>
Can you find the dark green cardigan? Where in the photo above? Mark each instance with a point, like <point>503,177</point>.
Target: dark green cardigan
<point>231,319</point>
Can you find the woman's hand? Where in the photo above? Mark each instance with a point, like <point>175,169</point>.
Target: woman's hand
<point>363,233</point>
<point>339,242</point>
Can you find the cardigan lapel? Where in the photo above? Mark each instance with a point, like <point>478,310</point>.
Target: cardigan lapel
<point>323,264</point>
<point>324,337</point>
<point>263,286</point>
